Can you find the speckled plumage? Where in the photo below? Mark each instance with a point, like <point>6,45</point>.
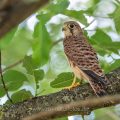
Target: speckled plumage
<point>83,58</point>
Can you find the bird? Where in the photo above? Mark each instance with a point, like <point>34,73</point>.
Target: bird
<point>83,59</point>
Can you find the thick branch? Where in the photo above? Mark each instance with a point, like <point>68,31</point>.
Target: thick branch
<point>66,109</point>
<point>43,103</point>
<point>12,12</point>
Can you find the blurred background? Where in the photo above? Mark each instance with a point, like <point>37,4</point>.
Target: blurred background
<point>33,60</point>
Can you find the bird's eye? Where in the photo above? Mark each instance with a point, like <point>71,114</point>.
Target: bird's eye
<point>71,26</point>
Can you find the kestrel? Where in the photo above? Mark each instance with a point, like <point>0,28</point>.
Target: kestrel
<point>83,59</point>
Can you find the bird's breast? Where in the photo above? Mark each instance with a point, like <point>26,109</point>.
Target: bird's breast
<point>78,72</point>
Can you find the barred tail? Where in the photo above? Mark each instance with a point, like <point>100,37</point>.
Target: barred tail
<point>98,83</point>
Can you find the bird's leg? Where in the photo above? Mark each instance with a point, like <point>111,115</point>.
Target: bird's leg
<point>73,85</point>
<point>81,81</point>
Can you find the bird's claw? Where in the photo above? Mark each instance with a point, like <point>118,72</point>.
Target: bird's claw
<point>72,86</point>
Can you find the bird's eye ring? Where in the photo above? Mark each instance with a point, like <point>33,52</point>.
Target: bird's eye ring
<point>71,26</point>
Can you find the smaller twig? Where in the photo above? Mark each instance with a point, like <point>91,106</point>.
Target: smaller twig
<point>89,24</point>
<point>117,1</point>
<point>13,65</point>
<point>113,58</point>
<point>56,42</point>
<point>2,79</point>
<point>103,17</point>
<point>91,30</point>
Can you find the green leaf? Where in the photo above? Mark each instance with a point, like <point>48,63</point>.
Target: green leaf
<point>116,17</point>
<point>41,46</point>
<point>110,66</point>
<point>115,65</point>
<point>44,16</point>
<point>103,43</point>
<point>39,75</point>
<point>4,41</point>
<point>91,10</point>
<point>28,64</point>
<point>13,80</point>
<point>101,37</point>
<point>59,7</point>
<point>101,51</point>
<point>52,9</point>
<point>24,95</point>
<point>18,47</point>
<point>79,15</point>
<point>62,80</point>
<point>105,66</point>
<point>2,90</point>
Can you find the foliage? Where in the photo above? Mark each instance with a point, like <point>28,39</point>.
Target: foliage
<point>44,67</point>
<point>10,80</point>
<point>116,18</point>
<point>62,80</point>
<point>7,38</point>
<point>104,45</point>
<point>42,41</point>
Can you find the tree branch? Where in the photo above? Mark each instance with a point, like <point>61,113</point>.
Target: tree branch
<point>66,109</point>
<point>43,103</point>
<point>12,12</point>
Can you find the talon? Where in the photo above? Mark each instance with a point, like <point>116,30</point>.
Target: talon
<point>72,86</point>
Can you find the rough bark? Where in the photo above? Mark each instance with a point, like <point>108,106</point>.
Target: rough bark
<point>67,109</point>
<point>12,12</point>
<point>43,103</point>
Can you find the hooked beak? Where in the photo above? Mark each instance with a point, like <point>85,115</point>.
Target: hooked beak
<point>63,29</point>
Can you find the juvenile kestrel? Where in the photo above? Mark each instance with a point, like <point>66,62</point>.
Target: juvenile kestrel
<point>83,58</point>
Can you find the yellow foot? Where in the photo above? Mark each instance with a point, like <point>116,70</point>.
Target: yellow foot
<point>72,86</point>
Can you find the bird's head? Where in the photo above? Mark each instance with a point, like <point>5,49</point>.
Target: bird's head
<point>71,28</point>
